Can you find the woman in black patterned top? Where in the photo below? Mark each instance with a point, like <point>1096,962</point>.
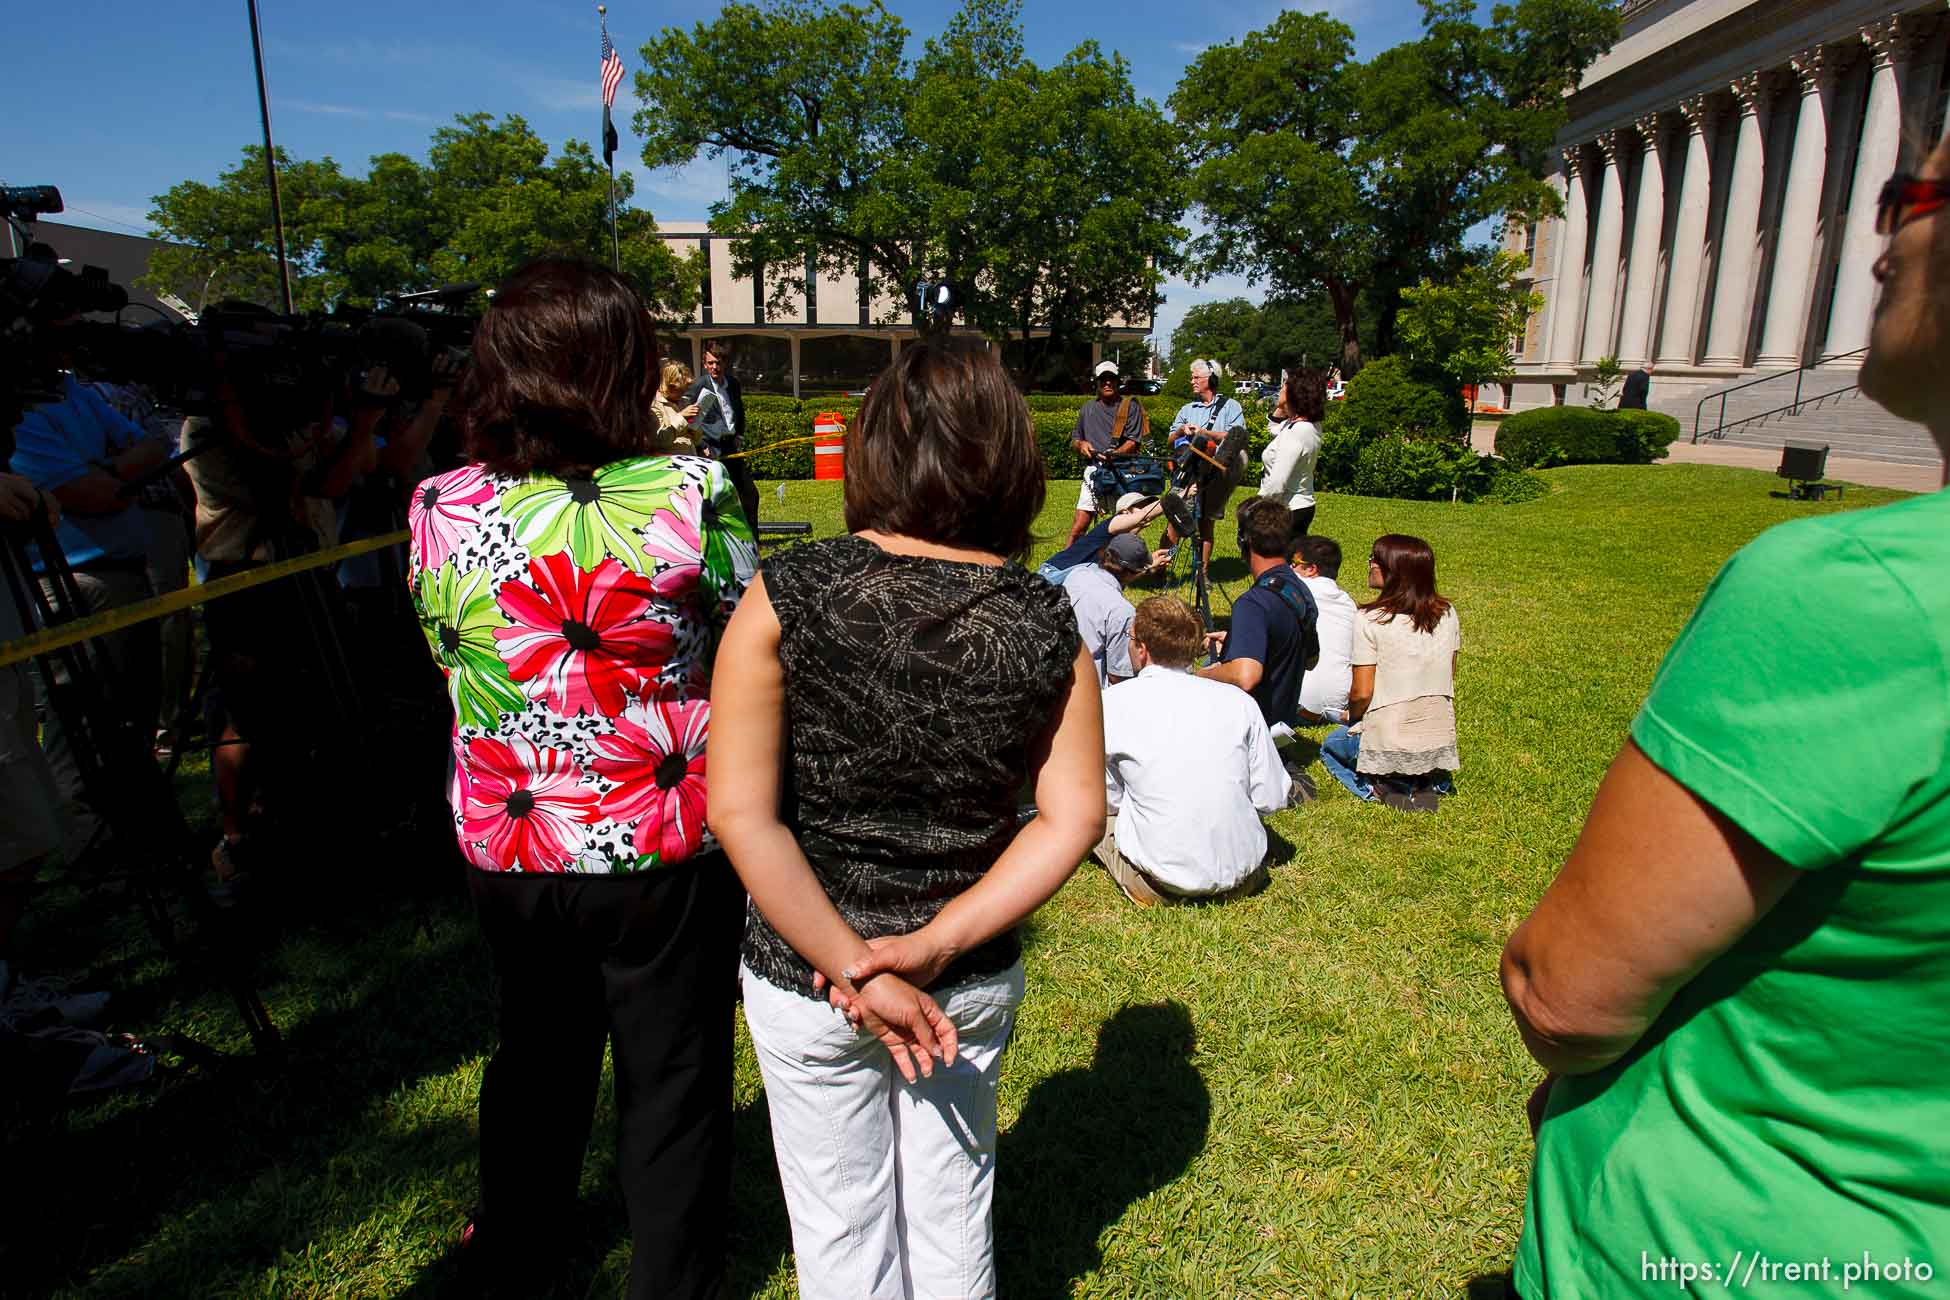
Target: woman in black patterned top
<point>882,698</point>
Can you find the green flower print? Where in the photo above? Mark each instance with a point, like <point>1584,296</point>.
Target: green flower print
<point>592,517</point>
<point>730,545</point>
<point>458,614</point>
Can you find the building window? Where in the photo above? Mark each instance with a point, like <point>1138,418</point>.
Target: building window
<point>762,364</point>
<point>836,365</point>
<point>1530,244</point>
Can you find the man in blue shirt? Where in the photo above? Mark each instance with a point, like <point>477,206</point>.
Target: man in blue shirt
<point>1134,511</point>
<point>1274,636</point>
<point>1203,423</point>
<point>82,453</point>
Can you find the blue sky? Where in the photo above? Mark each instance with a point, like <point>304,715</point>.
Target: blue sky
<point>139,96</point>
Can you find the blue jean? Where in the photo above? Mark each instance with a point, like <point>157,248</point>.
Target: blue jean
<point>1338,754</point>
<point>1051,574</point>
<point>1342,750</point>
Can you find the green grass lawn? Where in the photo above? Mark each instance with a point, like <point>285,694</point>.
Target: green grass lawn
<point>1313,1092</point>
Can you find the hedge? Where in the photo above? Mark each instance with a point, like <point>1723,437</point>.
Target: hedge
<point>1386,465</point>
<point>1580,435</point>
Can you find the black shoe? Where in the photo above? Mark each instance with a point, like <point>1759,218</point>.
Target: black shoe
<point>1305,790</point>
<point>1425,799</point>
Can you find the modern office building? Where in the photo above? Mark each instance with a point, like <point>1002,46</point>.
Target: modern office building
<point>1719,176</point>
<point>830,333</point>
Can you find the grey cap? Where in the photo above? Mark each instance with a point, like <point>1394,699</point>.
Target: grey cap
<point>1128,551</point>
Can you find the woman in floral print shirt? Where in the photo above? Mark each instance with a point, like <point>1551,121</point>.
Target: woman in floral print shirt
<point>572,587</point>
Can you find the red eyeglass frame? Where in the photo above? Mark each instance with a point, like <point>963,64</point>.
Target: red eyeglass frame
<point>1905,198</point>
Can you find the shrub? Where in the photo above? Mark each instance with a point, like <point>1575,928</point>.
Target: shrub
<point>1419,469</point>
<point>1340,451</point>
<point>1388,399</point>
<point>1178,381</point>
<point>1510,485</point>
<point>1643,436</point>
<point>1558,435</point>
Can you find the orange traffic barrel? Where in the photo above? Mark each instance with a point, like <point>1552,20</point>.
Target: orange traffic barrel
<point>829,452</point>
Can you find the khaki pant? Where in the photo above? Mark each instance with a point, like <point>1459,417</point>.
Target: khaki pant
<point>1146,892</point>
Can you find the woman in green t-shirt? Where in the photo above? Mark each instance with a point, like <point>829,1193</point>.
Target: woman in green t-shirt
<point>1740,982</point>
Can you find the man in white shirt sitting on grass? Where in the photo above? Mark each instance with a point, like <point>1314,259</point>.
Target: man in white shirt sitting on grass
<point>1189,768</point>
<point>1323,692</point>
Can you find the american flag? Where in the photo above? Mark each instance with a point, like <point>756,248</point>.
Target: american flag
<point>612,71</point>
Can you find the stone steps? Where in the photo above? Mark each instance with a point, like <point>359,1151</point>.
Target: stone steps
<point>1850,424</point>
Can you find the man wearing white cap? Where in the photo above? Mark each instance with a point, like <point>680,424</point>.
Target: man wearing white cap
<point>1109,424</point>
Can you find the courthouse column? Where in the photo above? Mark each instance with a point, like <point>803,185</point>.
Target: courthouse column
<point>1567,318</point>
<point>1678,337</point>
<point>1733,280</point>
<point>1648,222</point>
<point>1794,256</point>
<point>1605,252</point>
<point>1855,287</point>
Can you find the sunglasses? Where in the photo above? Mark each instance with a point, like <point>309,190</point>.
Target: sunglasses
<point>1906,198</point>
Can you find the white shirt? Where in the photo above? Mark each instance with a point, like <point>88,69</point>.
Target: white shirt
<point>1103,618</point>
<point>1290,461</point>
<point>1188,767</point>
<point>1327,683</point>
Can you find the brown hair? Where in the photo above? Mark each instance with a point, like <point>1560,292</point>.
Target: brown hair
<point>1407,581</point>
<point>1267,528</point>
<point>719,348</point>
<point>564,370</point>
<point>1305,395</point>
<point>945,451</point>
<point>1168,630</point>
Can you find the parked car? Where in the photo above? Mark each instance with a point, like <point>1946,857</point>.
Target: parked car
<point>1145,386</point>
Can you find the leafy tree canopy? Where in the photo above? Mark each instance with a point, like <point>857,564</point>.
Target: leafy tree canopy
<point>487,198</point>
<point>1316,172</point>
<point>1466,330</point>
<point>1049,196</point>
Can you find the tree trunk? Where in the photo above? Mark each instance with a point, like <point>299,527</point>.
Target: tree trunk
<point>1342,295</point>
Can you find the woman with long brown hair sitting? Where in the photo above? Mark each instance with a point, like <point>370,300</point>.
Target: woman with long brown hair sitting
<point>1400,746</point>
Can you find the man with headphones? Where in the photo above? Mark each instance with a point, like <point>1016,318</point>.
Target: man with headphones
<point>1206,423</point>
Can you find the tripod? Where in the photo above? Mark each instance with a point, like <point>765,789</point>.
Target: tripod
<point>151,848</point>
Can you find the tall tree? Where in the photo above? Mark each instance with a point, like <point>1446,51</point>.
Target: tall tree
<point>1044,194</point>
<point>1316,171</point>
<point>222,244</point>
<point>1213,330</point>
<point>487,198</point>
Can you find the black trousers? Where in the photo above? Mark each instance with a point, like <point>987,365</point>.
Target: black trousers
<point>647,961</point>
<point>1303,519</point>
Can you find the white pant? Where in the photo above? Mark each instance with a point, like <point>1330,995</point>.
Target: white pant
<point>888,1184</point>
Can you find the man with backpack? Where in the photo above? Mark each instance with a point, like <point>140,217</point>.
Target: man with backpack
<point>1275,633</point>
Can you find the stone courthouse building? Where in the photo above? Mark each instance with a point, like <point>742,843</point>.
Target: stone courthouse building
<point>1719,176</point>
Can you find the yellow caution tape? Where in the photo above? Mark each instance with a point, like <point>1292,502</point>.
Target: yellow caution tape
<point>786,442</point>
<point>114,620</point>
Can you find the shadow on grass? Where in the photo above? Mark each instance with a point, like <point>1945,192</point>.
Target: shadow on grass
<point>250,1165</point>
<point>1490,1286</point>
<point>1090,1143</point>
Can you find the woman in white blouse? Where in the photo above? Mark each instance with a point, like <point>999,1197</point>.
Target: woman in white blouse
<point>1290,456</point>
<point>1400,748</point>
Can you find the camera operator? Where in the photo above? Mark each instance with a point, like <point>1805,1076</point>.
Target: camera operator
<point>1107,425</point>
<point>1203,423</point>
<point>30,821</point>
<point>84,454</point>
<point>1189,766</point>
<point>274,459</point>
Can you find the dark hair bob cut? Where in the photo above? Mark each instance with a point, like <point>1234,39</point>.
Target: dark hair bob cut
<point>563,374</point>
<point>1306,395</point>
<point>945,451</point>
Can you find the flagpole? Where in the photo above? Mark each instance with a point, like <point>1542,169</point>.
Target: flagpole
<point>609,159</point>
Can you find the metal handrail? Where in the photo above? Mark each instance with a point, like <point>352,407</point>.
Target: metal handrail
<point>1720,429</point>
<point>1794,407</point>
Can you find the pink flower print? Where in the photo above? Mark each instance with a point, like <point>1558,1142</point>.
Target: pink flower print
<point>441,511</point>
<point>522,807</point>
<point>580,640</point>
<point>656,758</point>
<point>675,539</point>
